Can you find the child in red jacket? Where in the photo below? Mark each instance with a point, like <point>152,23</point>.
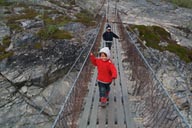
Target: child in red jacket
<point>106,73</point>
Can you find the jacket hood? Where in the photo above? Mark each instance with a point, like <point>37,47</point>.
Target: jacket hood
<point>106,51</point>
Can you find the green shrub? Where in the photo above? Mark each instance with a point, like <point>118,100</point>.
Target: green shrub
<point>6,41</point>
<point>5,3</point>
<point>2,48</point>
<point>52,32</point>
<point>5,55</point>
<point>45,33</point>
<point>38,45</point>
<point>153,35</point>
<point>15,26</point>
<point>61,20</point>
<point>29,14</point>
<point>183,52</point>
<point>182,3</point>
<point>60,34</point>
<point>12,19</point>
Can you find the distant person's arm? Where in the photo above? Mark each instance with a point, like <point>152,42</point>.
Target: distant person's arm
<point>115,36</point>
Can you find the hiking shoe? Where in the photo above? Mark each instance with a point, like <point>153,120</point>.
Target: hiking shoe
<point>107,95</point>
<point>107,100</point>
<point>103,101</point>
<point>102,104</point>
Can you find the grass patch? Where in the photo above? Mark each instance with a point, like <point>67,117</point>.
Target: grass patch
<point>5,44</point>
<point>38,45</point>
<point>45,33</point>
<point>61,20</point>
<point>85,18</point>
<point>15,26</point>
<point>153,35</point>
<point>2,48</point>
<point>5,3</point>
<point>29,14</point>
<point>52,32</point>
<point>182,3</point>
<point>6,41</point>
<point>12,19</point>
<point>183,52</point>
<point>5,55</point>
<point>60,34</point>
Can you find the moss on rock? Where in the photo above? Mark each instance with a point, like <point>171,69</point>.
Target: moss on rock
<point>52,32</point>
<point>153,35</point>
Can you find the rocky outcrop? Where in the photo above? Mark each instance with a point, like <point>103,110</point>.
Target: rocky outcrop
<point>91,5</point>
<point>173,72</point>
<point>32,76</point>
<point>174,19</point>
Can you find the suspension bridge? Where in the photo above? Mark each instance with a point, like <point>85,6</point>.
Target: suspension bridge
<point>148,105</point>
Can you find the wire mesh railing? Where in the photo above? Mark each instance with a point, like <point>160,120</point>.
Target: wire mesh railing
<point>156,106</point>
<point>70,110</point>
<point>158,62</point>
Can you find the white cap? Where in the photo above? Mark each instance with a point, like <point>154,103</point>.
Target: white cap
<point>106,51</point>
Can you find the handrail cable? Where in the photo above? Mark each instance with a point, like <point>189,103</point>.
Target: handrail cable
<point>161,84</point>
<point>188,94</point>
<point>54,88</point>
<point>68,95</point>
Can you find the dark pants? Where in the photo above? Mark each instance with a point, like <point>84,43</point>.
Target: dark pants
<point>108,44</point>
<point>103,89</point>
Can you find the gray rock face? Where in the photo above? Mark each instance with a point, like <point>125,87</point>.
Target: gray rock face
<point>27,24</point>
<point>37,60</point>
<point>36,68</point>
<point>73,27</point>
<point>91,5</point>
<point>30,73</point>
<point>25,82</point>
<point>174,73</point>
<point>174,19</point>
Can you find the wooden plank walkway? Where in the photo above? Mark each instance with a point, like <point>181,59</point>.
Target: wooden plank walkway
<point>116,114</point>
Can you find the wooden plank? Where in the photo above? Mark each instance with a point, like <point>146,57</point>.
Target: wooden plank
<point>102,117</point>
<point>117,113</point>
<point>111,108</point>
<point>129,120</point>
<point>120,109</point>
<point>93,116</point>
<point>84,119</point>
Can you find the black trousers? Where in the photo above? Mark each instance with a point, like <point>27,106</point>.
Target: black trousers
<point>103,89</point>
<point>108,44</point>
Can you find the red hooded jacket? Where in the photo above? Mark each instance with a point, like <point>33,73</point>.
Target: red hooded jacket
<point>106,69</point>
